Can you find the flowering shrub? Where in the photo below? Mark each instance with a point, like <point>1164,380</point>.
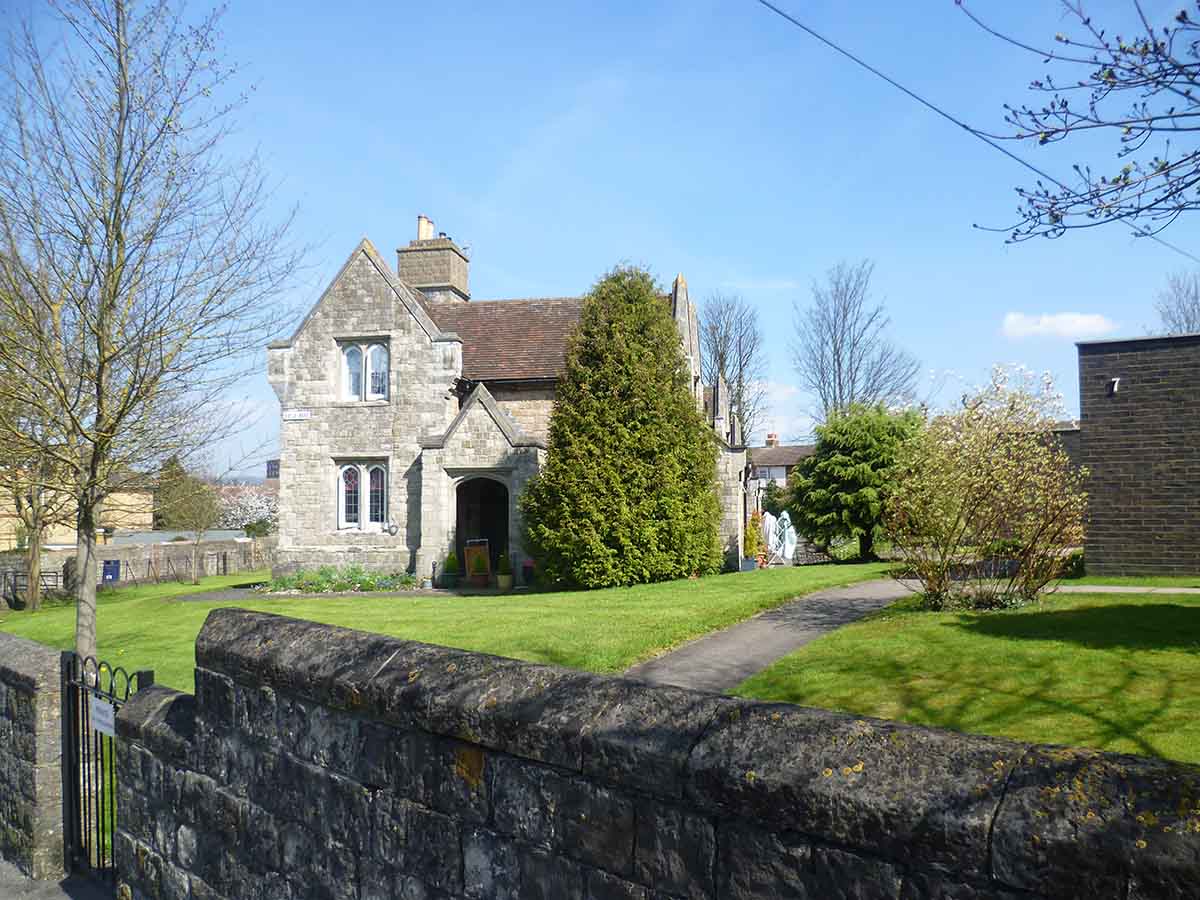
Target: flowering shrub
<point>986,502</point>
<point>249,507</point>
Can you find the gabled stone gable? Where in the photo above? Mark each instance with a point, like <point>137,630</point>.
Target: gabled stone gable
<point>319,429</point>
<point>481,407</point>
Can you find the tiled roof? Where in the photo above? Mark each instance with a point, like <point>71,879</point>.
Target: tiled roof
<point>780,456</point>
<point>511,339</point>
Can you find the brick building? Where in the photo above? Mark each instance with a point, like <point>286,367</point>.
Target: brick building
<point>1139,435</point>
<point>414,416</point>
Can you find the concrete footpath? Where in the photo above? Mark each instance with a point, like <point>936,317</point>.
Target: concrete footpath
<point>721,661</point>
<point>15,885</point>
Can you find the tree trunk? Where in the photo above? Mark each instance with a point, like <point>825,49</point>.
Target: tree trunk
<point>866,544</point>
<point>33,565</point>
<point>195,554</point>
<point>85,587</point>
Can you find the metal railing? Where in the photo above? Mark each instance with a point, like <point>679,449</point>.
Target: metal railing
<point>92,693</point>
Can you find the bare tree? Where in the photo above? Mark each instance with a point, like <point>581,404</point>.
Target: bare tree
<point>138,281</point>
<point>731,347</point>
<point>1179,303</point>
<point>841,352</point>
<point>193,505</point>
<point>1143,89</point>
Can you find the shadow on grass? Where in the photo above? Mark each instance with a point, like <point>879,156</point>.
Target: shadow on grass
<point>1144,626</point>
<point>963,698</point>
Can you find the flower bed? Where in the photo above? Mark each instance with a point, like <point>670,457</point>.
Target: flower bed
<point>340,580</point>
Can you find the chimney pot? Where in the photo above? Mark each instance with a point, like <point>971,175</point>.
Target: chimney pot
<point>772,440</point>
<point>424,228</point>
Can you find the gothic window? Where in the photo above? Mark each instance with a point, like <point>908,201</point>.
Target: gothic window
<point>378,495</point>
<point>353,358</point>
<point>377,389</point>
<point>359,486</point>
<point>364,371</point>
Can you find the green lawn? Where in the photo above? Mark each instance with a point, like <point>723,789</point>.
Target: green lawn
<point>601,631</point>
<point>1188,581</point>
<point>1117,672</point>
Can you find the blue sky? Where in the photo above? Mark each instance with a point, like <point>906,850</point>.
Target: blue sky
<point>709,138</point>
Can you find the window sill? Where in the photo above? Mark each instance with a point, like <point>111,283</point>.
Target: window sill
<point>360,403</point>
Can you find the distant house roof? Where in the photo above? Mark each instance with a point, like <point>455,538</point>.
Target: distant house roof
<point>780,455</point>
<point>511,340</point>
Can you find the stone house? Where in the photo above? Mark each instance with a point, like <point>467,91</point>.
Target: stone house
<point>414,416</point>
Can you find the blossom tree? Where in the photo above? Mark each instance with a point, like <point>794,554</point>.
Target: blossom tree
<point>985,501</point>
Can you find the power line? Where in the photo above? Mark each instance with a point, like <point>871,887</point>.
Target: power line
<point>952,118</point>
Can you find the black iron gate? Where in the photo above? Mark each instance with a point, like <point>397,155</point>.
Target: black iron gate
<point>92,692</point>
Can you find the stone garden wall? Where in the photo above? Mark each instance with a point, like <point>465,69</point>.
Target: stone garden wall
<point>320,762</point>
<point>31,821</point>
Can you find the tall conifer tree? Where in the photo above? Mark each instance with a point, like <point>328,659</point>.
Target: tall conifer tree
<point>627,494</point>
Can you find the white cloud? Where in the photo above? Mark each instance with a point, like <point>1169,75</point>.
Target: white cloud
<point>1065,326</point>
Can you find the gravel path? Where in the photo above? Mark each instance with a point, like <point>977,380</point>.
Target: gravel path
<point>721,661</point>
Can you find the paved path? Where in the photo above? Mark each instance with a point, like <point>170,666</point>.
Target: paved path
<point>721,661</point>
<point>1122,589</point>
<point>15,885</point>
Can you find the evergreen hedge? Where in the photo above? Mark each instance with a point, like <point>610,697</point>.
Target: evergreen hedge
<point>627,494</point>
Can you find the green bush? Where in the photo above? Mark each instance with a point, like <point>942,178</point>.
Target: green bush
<point>838,493</point>
<point>332,579</point>
<point>479,565</point>
<point>504,565</point>
<point>451,567</point>
<point>260,528</point>
<point>627,494</point>
<point>1073,565</point>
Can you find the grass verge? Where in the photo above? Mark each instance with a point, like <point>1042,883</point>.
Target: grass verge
<point>1115,672</point>
<point>600,631</point>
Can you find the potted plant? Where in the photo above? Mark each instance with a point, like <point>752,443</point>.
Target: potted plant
<point>752,543</point>
<point>504,573</point>
<point>450,571</point>
<point>479,571</point>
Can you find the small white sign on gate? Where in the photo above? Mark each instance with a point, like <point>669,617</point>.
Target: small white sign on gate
<point>104,715</point>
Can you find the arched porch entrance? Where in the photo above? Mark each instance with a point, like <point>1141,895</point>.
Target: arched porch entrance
<point>482,512</point>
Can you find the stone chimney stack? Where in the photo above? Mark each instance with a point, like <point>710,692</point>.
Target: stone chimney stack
<point>436,266</point>
<point>772,440</point>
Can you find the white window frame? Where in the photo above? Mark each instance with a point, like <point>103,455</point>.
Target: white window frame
<point>366,350</point>
<point>364,470</point>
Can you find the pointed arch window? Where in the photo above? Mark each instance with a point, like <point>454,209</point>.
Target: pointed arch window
<point>377,495</point>
<point>377,360</point>
<point>365,372</point>
<point>362,496</point>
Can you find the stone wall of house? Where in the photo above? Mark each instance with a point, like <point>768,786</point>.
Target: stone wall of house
<point>477,448</point>
<point>31,804</point>
<point>320,430</point>
<point>731,468</point>
<point>318,762</point>
<point>529,405</point>
<point>1141,444</point>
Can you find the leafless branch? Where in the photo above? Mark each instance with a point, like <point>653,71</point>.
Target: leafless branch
<point>841,352</point>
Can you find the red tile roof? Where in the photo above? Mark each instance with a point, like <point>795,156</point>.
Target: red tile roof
<point>511,339</point>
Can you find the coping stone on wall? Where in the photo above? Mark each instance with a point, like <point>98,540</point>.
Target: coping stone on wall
<point>1052,820</point>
